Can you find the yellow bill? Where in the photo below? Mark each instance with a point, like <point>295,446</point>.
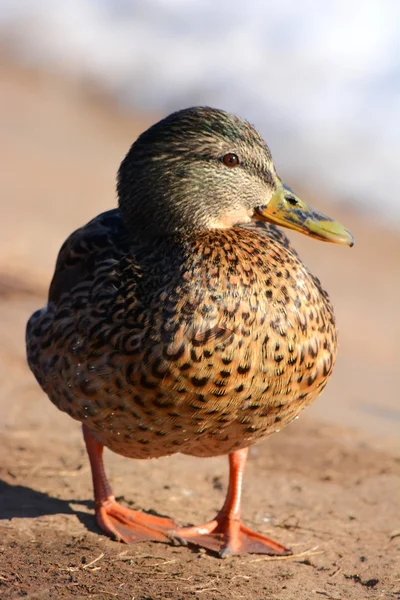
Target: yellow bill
<point>287,210</point>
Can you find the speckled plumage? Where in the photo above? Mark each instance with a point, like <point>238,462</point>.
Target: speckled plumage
<point>179,323</point>
<point>201,348</point>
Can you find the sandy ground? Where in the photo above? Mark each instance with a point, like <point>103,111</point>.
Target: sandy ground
<point>328,485</point>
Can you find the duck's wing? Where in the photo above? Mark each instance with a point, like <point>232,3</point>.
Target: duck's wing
<point>87,275</point>
<point>101,240</point>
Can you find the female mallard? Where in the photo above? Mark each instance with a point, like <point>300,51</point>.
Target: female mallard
<point>182,322</point>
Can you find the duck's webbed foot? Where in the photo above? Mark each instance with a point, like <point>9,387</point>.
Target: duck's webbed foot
<point>127,525</point>
<point>227,536</point>
<point>122,523</point>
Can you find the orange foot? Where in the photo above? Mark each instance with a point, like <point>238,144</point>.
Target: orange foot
<point>127,525</point>
<point>122,523</point>
<point>227,536</point>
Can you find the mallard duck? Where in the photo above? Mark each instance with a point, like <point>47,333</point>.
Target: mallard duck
<point>184,321</point>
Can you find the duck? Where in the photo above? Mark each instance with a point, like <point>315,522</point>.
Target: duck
<point>183,321</point>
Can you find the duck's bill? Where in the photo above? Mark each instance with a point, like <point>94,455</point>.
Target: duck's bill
<point>287,210</point>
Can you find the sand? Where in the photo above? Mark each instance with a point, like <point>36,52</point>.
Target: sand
<point>328,485</point>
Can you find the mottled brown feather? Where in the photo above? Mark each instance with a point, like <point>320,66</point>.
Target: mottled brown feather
<point>201,347</point>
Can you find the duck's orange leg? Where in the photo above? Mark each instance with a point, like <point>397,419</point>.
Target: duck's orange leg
<point>226,534</point>
<point>122,523</point>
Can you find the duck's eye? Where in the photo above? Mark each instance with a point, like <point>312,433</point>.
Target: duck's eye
<point>230,160</point>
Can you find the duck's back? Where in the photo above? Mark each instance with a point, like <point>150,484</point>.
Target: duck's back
<point>201,347</point>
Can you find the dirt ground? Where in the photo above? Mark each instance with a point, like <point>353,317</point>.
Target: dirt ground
<point>318,489</point>
<point>326,489</point>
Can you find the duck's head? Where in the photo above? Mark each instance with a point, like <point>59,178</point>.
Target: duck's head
<point>202,168</point>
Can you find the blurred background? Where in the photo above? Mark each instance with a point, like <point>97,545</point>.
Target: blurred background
<point>321,81</point>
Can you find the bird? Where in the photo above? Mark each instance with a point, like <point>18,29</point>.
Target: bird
<point>184,321</point>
